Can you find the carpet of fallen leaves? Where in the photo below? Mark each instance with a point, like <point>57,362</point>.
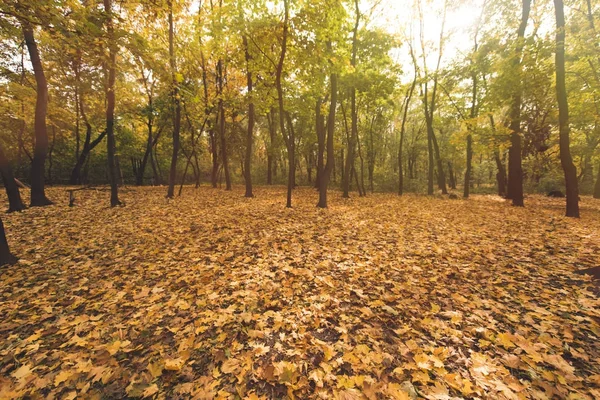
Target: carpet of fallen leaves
<point>212,295</point>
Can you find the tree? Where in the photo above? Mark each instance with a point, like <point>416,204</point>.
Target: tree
<point>324,173</point>
<point>38,195</point>
<point>515,170</point>
<point>563,115</point>
<point>353,111</point>
<point>288,137</point>
<point>176,104</point>
<point>12,190</point>
<point>110,104</point>
<point>6,257</point>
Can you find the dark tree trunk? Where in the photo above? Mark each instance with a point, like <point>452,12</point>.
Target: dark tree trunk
<point>407,99</point>
<point>353,112</point>
<point>6,257</point>
<point>250,132</point>
<point>468,177</point>
<point>88,145</point>
<point>325,175</point>
<point>38,195</point>
<point>15,203</point>
<point>451,176</point>
<point>320,129</point>
<point>176,104</point>
<point>271,147</point>
<point>222,137</point>
<point>500,175</point>
<point>289,139</point>
<point>566,160</point>
<point>440,165</point>
<point>110,107</point>
<point>515,170</point>
<point>597,185</point>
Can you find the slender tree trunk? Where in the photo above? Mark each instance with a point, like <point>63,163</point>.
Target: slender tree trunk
<point>320,129</point>
<point>6,257</point>
<point>353,112</point>
<point>289,139</point>
<point>515,170</point>
<point>250,132</point>
<point>440,165</point>
<point>271,147</point>
<point>325,175</point>
<point>15,203</point>
<point>38,195</point>
<point>566,160</point>
<point>407,99</point>
<point>176,104</point>
<point>110,107</point>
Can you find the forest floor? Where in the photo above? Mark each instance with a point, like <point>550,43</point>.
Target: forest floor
<point>212,295</point>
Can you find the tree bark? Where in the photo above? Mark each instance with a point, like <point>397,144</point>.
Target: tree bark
<point>6,257</point>
<point>325,175</point>
<point>320,129</point>
<point>353,112</point>
<point>110,106</point>
<point>289,139</point>
<point>515,170</point>
<point>15,203</point>
<point>250,132</point>
<point>407,99</point>
<point>176,104</point>
<point>572,208</point>
<point>597,186</point>
<point>38,195</point>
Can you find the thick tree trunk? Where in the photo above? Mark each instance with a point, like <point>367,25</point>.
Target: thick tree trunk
<point>110,107</point>
<point>451,176</point>
<point>597,185</point>
<point>15,203</point>
<point>6,257</point>
<point>176,104</point>
<point>515,170</point>
<point>572,209</point>
<point>250,132</point>
<point>38,195</point>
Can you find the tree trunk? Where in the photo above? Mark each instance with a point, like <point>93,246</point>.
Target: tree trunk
<point>110,107</point>
<point>15,203</point>
<point>407,99</point>
<point>354,115</point>
<point>271,147</point>
<point>515,170</point>
<point>250,132</point>
<point>572,209</point>
<point>289,140</point>
<point>440,165</point>
<point>597,186</point>
<point>176,103</point>
<point>468,176</point>
<point>6,257</point>
<point>38,195</point>
<point>320,129</point>
<point>325,175</point>
<point>451,176</point>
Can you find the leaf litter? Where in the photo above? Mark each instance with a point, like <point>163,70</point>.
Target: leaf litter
<point>212,295</point>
